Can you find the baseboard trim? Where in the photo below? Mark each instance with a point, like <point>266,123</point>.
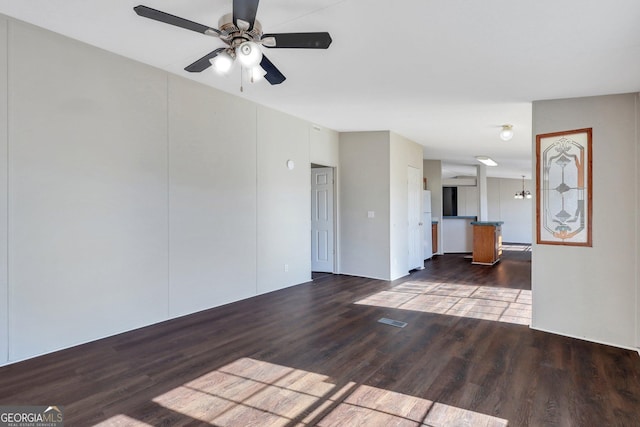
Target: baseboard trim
<point>366,277</point>
<point>587,339</point>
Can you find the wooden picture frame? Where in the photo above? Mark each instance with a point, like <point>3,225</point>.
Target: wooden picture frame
<point>564,196</point>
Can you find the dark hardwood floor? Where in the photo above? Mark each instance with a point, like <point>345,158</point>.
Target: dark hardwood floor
<point>315,354</point>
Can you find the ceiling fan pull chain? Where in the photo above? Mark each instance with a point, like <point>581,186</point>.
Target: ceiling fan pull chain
<point>241,80</point>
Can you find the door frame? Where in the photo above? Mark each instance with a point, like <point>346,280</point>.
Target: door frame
<point>336,225</point>
<point>420,230</point>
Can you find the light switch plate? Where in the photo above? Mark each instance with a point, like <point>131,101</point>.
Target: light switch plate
<point>371,214</point>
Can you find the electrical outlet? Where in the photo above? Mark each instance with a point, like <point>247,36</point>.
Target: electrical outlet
<point>286,268</point>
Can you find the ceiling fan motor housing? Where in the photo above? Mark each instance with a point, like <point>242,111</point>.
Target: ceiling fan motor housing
<point>234,36</point>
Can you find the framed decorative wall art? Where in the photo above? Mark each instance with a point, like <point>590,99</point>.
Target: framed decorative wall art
<point>563,185</point>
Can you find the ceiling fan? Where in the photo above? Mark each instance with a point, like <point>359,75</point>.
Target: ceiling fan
<point>243,35</point>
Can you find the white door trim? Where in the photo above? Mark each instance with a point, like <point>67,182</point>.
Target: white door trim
<point>323,221</point>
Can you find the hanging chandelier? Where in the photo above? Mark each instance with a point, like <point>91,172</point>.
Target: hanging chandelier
<point>523,194</point>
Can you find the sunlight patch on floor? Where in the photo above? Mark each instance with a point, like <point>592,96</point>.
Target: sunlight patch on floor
<point>121,420</point>
<point>251,392</point>
<point>371,406</point>
<point>476,302</point>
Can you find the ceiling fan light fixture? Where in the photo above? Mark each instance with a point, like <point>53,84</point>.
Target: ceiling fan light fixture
<point>256,73</point>
<point>249,54</point>
<point>506,133</point>
<point>222,63</point>
<point>242,33</point>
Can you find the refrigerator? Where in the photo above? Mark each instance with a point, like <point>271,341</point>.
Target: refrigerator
<point>426,220</point>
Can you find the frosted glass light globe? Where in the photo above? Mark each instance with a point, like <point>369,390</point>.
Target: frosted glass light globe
<point>222,63</point>
<point>249,54</point>
<point>256,73</point>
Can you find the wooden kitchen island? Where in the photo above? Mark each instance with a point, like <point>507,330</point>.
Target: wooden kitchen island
<point>487,242</point>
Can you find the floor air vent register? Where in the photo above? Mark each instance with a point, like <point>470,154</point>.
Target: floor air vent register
<point>391,322</point>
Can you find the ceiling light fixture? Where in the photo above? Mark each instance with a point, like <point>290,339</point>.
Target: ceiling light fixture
<point>249,54</point>
<point>506,133</point>
<point>523,194</point>
<point>256,73</point>
<point>486,160</point>
<point>222,63</point>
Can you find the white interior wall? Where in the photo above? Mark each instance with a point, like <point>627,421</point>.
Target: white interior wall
<point>590,293</point>
<point>637,255</point>
<point>493,200</point>
<point>4,289</point>
<point>364,186</point>
<point>432,171</point>
<point>284,201</point>
<point>468,201</point>
<point>133,197</point>
<point>483,210</point>
<point>87,192</point>
<point>323,146</point>
<point>516,213</point>
<point>212,210</point>
<point>403,153</point>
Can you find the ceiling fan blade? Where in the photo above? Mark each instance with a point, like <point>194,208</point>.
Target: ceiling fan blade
<point>297,40</point>
<point>167,18</point>
<point>273,76</point>
<point>245,11</point>
<point>203,63</point>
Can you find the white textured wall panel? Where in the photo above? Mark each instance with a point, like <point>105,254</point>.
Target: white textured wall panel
<point>87,193</point>
<point>590,292</point>
<point>4,290</point>
<point>212,197</point>
<point>284,201</point>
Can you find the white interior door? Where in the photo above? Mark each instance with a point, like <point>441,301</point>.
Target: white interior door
<point>414,211</point>
<point>322,219</point>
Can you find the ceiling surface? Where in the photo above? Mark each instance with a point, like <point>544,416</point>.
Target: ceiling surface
<point>444,73</point>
